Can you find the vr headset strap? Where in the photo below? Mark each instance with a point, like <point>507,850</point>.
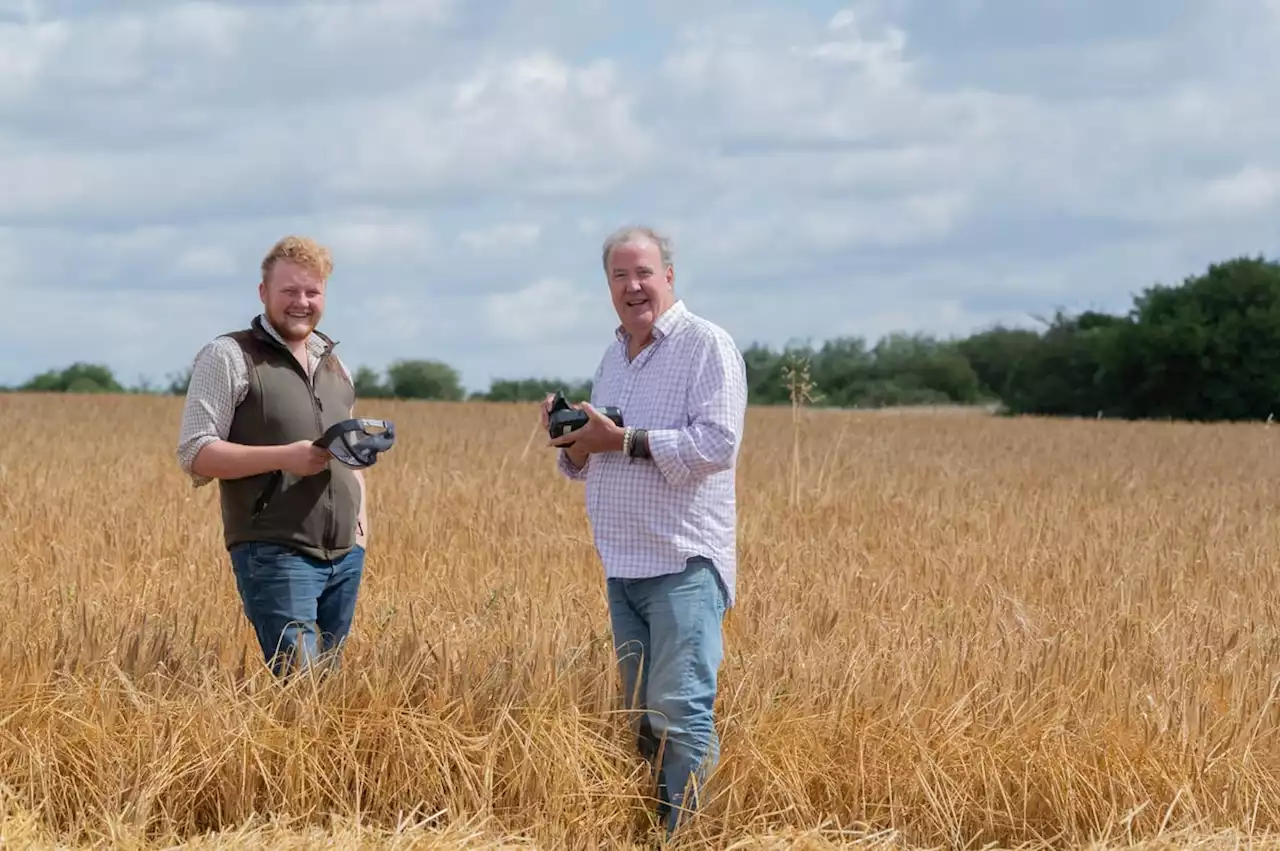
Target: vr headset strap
<point>331,434</point>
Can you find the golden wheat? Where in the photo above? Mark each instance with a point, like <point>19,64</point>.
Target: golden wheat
<point>952,630</point>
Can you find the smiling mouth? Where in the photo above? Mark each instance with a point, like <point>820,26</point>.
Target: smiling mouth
<point>642,301</point>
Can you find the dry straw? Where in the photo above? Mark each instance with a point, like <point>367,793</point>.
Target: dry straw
<point>953,631</point>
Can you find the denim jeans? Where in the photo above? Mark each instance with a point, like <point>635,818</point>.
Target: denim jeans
<point>300,607</point>
<point>667,636</point>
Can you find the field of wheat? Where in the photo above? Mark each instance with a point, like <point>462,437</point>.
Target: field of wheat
<point>953,631</point>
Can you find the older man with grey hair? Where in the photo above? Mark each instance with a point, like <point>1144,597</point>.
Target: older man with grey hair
<point>660,494</point>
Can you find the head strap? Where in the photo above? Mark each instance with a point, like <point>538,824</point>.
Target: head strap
<point>357,442</point>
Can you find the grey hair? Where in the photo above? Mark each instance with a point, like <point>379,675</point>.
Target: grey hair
<point>627,233</point>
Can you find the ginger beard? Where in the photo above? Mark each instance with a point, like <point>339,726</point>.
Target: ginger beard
<point>293,297</point>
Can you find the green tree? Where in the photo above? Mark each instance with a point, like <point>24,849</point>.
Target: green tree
<point>767,372</point>
<point>424,379</point>
<point>369,385</point>
<point>842,370</point>
<point>179,382</point>
<point>1003,359</point>
<point>924,370</point>
<point>1067,372</point>
<point>533,390</point>
<point>1207,349</point>
<point>77,378</point>
<point>764,376</point>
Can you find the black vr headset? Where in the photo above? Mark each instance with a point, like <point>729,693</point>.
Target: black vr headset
<point>358,442</point>
<point>355,442</point>
<point>562,419</point>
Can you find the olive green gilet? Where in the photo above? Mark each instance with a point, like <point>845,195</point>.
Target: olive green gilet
<point>315,515</point>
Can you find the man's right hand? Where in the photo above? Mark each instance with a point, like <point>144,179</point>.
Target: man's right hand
<point>576,455</point>
<point>303,458</point>
<point>223,459</point>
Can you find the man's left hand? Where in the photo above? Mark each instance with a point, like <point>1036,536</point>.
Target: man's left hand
<point>600,434</point>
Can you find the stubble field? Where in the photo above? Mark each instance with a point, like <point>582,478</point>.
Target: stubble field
<point>953,631</point>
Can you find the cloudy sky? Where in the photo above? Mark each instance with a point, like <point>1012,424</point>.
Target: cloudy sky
<point>825,169</point>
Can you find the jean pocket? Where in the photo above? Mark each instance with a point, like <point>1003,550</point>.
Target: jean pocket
<point>266,552</point>
<point>709,567</point>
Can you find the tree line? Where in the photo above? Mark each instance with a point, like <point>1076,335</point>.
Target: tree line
<point>1207,348</point>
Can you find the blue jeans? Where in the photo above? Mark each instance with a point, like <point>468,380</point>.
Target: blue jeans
<point>667,636</point>
<point>300,607</point>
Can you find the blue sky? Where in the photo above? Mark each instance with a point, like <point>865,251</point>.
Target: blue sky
<point>825,169</point>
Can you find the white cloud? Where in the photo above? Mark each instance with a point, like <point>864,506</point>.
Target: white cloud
<point>894,164</point>
<point>371,237</point>
<point>1250,190</point>
<point>205,261</point>
<point>513,235</point>
<point>542,310</point>
<point>526,125</point>
<point>25,50</point>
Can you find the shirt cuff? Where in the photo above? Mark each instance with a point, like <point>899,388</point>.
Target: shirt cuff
<point>187,456</point>
<point>664,449</point>
<point>566,466</point>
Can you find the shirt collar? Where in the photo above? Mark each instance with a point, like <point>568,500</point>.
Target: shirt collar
<point>316,342</point>
<point>669,321</point>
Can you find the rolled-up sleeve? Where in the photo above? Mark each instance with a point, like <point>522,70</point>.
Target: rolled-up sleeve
<point>717,412</point>
<point>217,385</point>
<point>566,467</point>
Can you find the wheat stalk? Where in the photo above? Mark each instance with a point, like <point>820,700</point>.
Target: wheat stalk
<point>984,632</point>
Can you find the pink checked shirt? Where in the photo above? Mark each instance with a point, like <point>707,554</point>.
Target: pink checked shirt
<point>689,389</point>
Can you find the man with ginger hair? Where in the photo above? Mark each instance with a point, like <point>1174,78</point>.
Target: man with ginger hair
<point>257,399</point>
